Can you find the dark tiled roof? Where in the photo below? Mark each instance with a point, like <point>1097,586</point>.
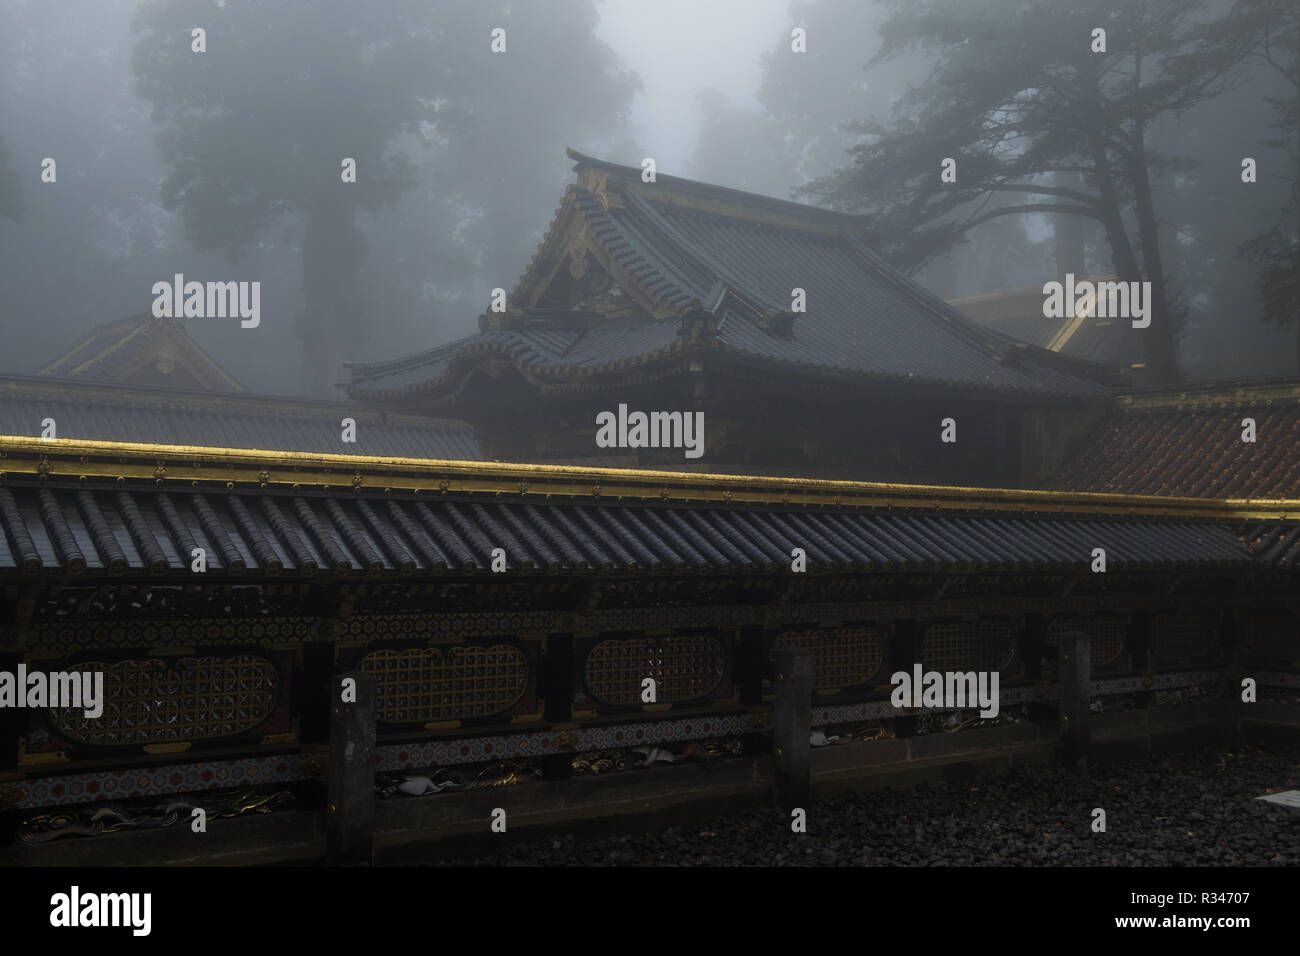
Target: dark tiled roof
<point>100,527</point>
<point>1019,314</point>
<point>142,348</point>
<point>863,317</point>
<point>1191,451</point>
<point>173,417</point>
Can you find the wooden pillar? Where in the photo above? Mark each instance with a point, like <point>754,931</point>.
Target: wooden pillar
<point>11,718</point>
<point>904,651</point>
<point>556,687</point>
<point>1074,680</point>
<point>351,810</point>
<point>1139,640</point>
<point>1233,673</point>
<point>1033,645</point>
<point>792,727</point>
<point>752,666</point>
<point>311,692</point>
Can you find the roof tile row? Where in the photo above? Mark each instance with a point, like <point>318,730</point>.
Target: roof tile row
<point>116,531</point>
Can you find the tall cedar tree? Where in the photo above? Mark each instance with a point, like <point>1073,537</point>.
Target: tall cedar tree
<point>255,129</point>
<point>11,194</point>
<point>1017,96</point>
<point>1267,33</point>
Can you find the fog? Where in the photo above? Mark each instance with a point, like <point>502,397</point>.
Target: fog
<point>217,164</point>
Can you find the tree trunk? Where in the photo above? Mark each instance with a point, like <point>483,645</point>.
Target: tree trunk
<point>1162,357</point>
<point>1068,232</point>
<point>329,327</point>
<point>1162,361</point>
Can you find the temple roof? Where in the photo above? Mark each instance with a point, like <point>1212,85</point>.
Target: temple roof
<point>143,350</point>
<point>633,273</point>
<point>1019,314</point>
<point>86,410</point>
<point>1187,440</point>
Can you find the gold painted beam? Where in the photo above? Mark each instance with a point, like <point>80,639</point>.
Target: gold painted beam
<point>176,467</point>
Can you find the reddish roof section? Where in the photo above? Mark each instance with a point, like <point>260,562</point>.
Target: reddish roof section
<point>1188,442</point>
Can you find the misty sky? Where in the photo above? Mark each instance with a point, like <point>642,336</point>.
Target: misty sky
<point>680,47</point>
<point>476,205</point>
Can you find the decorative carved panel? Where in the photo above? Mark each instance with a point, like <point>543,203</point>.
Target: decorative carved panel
<point>1106,633</point>
<point>425,684</point>
<point>966,646</point>
<point>683,668</point>
<point>840,658</point>
<point>1179,638</point>
<point>148,701</point>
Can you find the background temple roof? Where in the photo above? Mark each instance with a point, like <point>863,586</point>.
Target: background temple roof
<point>1019,314</point>
<point>143,350</point>
<point>668,247</point>
<point>110,412</point>
<point>1187,440</point>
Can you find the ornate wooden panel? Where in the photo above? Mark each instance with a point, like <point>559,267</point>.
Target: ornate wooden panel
<point>1272,636</point>
<point>1105,631</point>
<point>840,658</point>
<point>966,646</point>
<point>423,684</point>
<point>197,698</point>
<point>683,668</point>
<point>1182,638</point>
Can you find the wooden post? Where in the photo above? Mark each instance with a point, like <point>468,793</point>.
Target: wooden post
<point>1074,680</point>
<point>752,666</point>
<point>1233,674</point>
<point>351,811</point>
<point>791,728</point>
<point>905,650</point>
<point>1139,642</point>
<point>11,719</point>
<point>557,692</point>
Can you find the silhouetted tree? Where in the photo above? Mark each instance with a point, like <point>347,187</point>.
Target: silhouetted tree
<point>1016,95</point>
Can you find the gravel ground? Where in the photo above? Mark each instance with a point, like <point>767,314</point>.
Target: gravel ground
<point>1189,809</point>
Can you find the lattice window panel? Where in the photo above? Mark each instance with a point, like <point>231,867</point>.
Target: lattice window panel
<point>683,668</point>
<point>147,702</point>
<point>419,685</point>
<point>1273,636</point>
<point>845,657</point>
<point>1181,637</point>
<point>961,646</point>
<point>1107,634</point>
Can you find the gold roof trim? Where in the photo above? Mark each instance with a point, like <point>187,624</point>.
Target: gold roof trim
<point>1223,394</point>
<point>176,466</point>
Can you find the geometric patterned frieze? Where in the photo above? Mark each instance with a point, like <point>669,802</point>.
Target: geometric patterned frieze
<point>445,625</point>
<point>424,684</point>
<point>968,646</point>
<point>514,746</point>
<point>80,634</point>
<point>844,657</point>
<point>150,702</point>
<point>683,668</point>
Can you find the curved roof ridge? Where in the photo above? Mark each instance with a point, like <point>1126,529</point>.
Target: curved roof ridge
<point>384,366</point>
<point>725,193</point>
